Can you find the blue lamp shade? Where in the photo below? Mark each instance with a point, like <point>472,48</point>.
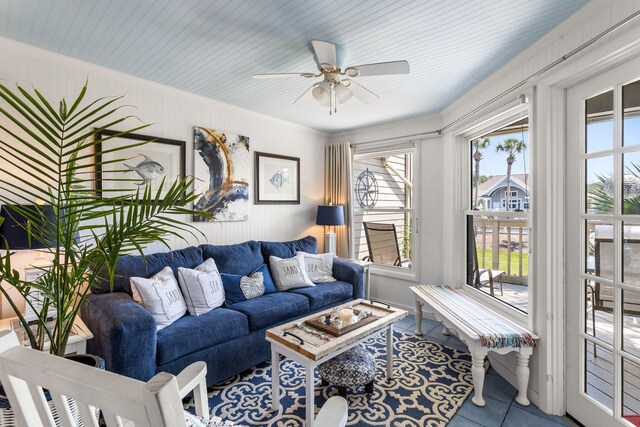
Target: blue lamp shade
<point>26,231</point>
<point>330,215</point>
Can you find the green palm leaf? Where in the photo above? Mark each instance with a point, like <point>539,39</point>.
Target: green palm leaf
<point>58,156</point>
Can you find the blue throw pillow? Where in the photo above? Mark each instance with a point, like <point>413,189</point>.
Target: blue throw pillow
<point>269,285</point>
<point>241,288</point>
<point>232,291</point>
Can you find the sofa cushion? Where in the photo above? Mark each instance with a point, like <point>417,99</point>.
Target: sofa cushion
<point>193,333</point>
<point>202,287</point>
<point>319,267</point>
<point>161,296</point>
<point>289,273</point>
<point>288,249</point>
<point>129,266</point>
<point>241,258</point>
<point>324,294</point>
<point>271,309</point>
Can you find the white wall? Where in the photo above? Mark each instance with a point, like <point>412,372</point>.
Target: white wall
<point>173,114</point>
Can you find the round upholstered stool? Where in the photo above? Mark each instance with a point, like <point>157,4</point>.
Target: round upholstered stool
<point>352,368</point>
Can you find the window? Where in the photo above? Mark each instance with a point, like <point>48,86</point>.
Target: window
<point>498,222</point>
<point>384,200</point>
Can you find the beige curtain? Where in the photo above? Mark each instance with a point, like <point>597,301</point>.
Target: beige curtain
<point>337,191</point>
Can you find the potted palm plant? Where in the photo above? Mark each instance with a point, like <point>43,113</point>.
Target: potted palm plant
<point>86,232</point>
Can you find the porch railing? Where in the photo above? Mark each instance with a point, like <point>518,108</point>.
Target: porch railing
<point>507,236</point>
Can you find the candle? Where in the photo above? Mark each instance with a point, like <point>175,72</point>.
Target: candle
<point>346,315</point>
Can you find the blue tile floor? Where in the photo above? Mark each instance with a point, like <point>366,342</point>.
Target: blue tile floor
<point>501,408</point>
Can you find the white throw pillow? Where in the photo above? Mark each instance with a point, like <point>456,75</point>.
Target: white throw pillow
<point>289,273</point>
<point>161,296</point>
<point>202,287</point>
<point>252,286</point>
<point>319,267</point>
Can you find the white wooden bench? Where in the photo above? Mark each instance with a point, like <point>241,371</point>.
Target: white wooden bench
<point>481,329</point>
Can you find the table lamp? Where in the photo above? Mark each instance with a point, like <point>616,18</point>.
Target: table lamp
<point>330,216</point>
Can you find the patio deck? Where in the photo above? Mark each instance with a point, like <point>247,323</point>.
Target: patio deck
<point>599,369</point>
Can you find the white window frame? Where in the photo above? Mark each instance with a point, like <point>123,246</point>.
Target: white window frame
<point>364,150</point>
<point>482,126</point>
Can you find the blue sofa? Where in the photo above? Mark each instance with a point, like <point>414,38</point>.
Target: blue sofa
<point>230,339</point>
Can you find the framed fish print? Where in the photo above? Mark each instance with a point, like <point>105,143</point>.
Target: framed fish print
<point>137,164</point>
<point>277,179</point>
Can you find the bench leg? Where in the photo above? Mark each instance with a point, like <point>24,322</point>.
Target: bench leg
<point>446,331</point>
<point>522,375</point>
<point>418,317</point>
<point>477,374</point>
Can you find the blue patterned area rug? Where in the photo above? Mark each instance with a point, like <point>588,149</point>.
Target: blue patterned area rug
<point>431,382</point>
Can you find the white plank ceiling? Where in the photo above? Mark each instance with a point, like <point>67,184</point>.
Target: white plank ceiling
<point>212,47</point>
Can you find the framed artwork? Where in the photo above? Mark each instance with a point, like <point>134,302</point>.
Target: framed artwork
<point>221,170</point>
<point>140,165</point>
<point>277,179</point>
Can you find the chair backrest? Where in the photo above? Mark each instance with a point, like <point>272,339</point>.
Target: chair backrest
<point>382,241</point>
<point>604,264</point>
<point>473,268</point>
<point>24,373</point>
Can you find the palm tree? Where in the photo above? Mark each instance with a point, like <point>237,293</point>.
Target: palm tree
<point>511,146</point>
<point>478,144</point>
<point>59,150</point>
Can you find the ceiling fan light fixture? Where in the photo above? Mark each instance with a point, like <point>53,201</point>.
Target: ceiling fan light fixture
<point>343,93</point>
<point>322,93</point>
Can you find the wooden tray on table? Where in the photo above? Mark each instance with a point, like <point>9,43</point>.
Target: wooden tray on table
<point>336,332</point>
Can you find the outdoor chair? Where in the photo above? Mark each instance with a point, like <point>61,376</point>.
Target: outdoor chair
<point>601,295</point>
<point>382,241</point>
<point>481,276</point>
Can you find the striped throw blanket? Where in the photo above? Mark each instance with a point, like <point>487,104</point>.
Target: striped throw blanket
<point>494,330</point>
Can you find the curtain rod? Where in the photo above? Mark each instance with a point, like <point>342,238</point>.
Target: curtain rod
<point>523,81</point>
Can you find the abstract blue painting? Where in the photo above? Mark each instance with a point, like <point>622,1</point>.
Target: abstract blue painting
<point>221,171</point>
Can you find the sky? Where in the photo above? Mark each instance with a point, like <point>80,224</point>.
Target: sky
<point>493,163</point>
<point>599,137</point>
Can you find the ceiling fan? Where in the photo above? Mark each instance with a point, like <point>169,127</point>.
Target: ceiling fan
<point>337,84</point>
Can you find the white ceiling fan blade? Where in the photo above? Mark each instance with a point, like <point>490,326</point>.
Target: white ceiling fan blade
<point>361,92</point>
<point>379,69</point>
<point>281,75</point>
<point>306,96</point>
<point>325,54</point>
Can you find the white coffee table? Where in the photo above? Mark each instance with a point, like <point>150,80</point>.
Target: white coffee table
<point>310,350</point>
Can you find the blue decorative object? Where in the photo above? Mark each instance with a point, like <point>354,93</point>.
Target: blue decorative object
<point>354,367</point>
<point>125,333</point>
<point>437,381</point>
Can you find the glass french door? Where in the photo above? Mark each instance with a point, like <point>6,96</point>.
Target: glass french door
<point>603,249</point>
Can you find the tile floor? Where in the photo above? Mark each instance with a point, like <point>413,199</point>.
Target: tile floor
<point>501,408</point>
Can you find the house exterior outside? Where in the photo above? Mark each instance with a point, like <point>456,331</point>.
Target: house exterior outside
<point>493,193</point>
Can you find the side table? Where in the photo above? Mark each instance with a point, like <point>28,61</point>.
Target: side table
<point>77,343</point>
<point>367,274</point>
